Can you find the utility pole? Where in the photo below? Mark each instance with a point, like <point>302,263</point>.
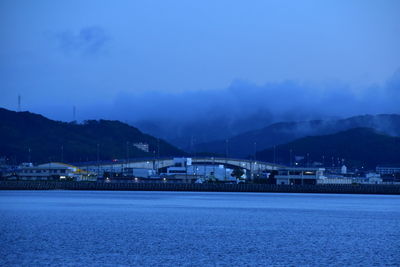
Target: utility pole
<point>62,153</point>
<point>127,150</point>
<point>191,145</point>
<point>73,113</point>
<point>194,152</point>
<point>255,151</point>
<point>29,155</point>
<point>19,103</point>
<point>290,157</point>
<point>226,148</point>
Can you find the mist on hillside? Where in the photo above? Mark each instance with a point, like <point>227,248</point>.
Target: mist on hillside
<point>201,116</point>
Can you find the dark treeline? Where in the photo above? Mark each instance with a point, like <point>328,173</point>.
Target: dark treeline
<point>25,136</point>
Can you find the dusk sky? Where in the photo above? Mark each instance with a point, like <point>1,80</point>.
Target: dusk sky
<point>126,59</point>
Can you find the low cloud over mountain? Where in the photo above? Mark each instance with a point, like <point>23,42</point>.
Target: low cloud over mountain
<point>244,106</point>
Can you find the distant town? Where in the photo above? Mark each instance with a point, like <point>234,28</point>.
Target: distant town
<point>198,170</point>
<point>34,148</point>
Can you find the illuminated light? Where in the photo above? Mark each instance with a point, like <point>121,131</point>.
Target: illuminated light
<point>62,177</point>
<point>164,179</point>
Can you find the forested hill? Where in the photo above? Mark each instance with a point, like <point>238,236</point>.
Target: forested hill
<point>359,147</point>
<point>283,132</point>
<point>49,140</point>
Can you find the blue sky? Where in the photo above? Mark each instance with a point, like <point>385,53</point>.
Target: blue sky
<point>98,54</point>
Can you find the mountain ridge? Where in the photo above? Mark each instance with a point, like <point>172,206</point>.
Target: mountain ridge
<point>358,147</point>
<point>245,144</point>
<point>26,135</point>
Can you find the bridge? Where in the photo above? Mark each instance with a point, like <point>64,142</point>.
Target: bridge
<point>253,166</point>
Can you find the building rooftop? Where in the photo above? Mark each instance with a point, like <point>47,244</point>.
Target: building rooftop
<point>388,166</point>
<point>302,169</point>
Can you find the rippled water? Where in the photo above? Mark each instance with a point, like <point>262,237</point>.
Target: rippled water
<point>197,229</point>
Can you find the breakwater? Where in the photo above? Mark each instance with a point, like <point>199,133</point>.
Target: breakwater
<point>266,188</point>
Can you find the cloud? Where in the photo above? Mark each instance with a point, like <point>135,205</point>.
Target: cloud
<point>88,41</point>
<point>214,114</point>
<point>288,100</point>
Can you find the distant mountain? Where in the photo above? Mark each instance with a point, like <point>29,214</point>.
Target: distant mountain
<point>246,144</point>
<point>54,140</point>
<point>359,147</point>
<point>184,134</point>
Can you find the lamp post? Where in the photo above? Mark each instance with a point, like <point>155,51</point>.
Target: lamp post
<point>98,159</point>
<point>29,154</point>
<point>127,156</point>
<point>226,156</point>
<point>158,155</point>
<point>255,151</point>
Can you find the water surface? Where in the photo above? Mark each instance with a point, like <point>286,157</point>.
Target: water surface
<point>83,228</point>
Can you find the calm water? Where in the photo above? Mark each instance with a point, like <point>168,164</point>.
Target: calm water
<point>197,229</point>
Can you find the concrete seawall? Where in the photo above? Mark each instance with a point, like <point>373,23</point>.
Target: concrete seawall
<point>331,189</point>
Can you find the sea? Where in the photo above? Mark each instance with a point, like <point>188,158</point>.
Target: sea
<point>114,228</point>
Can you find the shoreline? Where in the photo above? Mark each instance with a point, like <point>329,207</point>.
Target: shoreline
<point>375,189</point>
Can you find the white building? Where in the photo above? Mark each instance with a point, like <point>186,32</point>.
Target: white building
<point>183,166</point>
<point>343,169</point>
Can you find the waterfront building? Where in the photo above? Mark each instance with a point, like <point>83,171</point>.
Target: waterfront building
<point>139,172</point>
<point>336,179</point>
<point>388,169</point>
<point>369,178</point>
<point>183,169</point>
<point>299,176</point>
<point>53,171</point>
<point>373,178</point>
